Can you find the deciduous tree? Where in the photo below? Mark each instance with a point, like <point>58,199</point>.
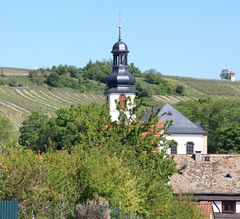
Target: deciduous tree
<point>225,74</point>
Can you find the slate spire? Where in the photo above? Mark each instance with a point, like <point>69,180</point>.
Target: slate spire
<point>120,80</point>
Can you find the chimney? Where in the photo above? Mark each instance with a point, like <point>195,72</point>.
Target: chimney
<point>198,156</point>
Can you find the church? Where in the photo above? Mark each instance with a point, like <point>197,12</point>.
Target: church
<point>212,179</point>
<point>189,138</point>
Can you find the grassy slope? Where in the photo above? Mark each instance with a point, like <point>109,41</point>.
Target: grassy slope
<point>208,87</point>
<point>18,102</point>
<point>14,71</point>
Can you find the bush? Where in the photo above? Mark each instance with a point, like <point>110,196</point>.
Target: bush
<point>30,130</point>
<point>154,77</point>
<point>179,89</point>
<point>97,71</point>
<point>143,92</point>
<point>14,83</point>
<point>94,209</point>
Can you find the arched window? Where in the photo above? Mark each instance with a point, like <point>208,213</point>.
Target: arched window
<point>173,148</point>
<point>190,148</point>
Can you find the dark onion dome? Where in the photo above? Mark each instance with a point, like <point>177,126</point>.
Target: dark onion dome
<point>120,47</point>
<point>120,80</point>
<point>120,77</point>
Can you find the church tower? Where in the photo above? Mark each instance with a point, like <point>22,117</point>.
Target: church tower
<point>120,82</point>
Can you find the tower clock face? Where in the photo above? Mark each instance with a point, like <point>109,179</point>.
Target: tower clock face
<point>122,98</point>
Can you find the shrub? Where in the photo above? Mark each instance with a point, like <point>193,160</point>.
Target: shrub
<point>179,89</point>
<point>94,209</point>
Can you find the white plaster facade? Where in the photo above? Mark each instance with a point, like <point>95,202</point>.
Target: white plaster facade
<point>199,142</point>
<point>113,98</point>
<point>237,207</point>
<point>232,76</point>
<point>217,206</point>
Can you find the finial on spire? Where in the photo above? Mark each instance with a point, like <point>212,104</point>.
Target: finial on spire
<point>119,34</point>
<point>119,27</point>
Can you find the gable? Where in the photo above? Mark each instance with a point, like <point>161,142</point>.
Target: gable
<point>180,124</point>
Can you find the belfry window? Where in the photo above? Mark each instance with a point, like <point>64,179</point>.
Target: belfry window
<point>115,60</point>
<point>123,60</point>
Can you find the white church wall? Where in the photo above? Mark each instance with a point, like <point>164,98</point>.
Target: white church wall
<point>217,206</point>
<point>237,207</point>
<point>199,142</point>
<point>232,78</point>
<point>113,97</point>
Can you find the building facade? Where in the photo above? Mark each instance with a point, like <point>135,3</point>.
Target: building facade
<point>188,137</point>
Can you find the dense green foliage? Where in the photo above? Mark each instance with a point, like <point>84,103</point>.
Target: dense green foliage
<point>220,117</point>
<point>30,131</point>
<point>51,185</point>
<point>83,78</point>
<point>164,86</point>
<point>97,71</point>
<point>71,126</point>
<point>115,160</point>
<point>72,77</point>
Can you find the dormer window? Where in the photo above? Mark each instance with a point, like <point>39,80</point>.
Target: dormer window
<point>169,113</point>
<point>228,176</point>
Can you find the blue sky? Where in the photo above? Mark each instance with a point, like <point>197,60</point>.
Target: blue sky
<point>194,38</point>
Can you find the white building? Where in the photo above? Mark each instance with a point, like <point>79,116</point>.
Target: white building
<point>189,138</point>
<point>232,76</point>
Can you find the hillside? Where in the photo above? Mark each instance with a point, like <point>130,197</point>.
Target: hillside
<point>18,102</point>
<point>5,71</point>
<point>198,87</point>
<point>19,96</point>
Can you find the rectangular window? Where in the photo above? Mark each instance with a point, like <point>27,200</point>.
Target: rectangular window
<point>229,207</point>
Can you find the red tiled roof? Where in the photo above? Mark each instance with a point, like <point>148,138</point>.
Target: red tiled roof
<point>206,207</point>
<point>159,125</point>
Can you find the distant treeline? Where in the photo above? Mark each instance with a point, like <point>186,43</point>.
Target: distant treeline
<point>92,77</point>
